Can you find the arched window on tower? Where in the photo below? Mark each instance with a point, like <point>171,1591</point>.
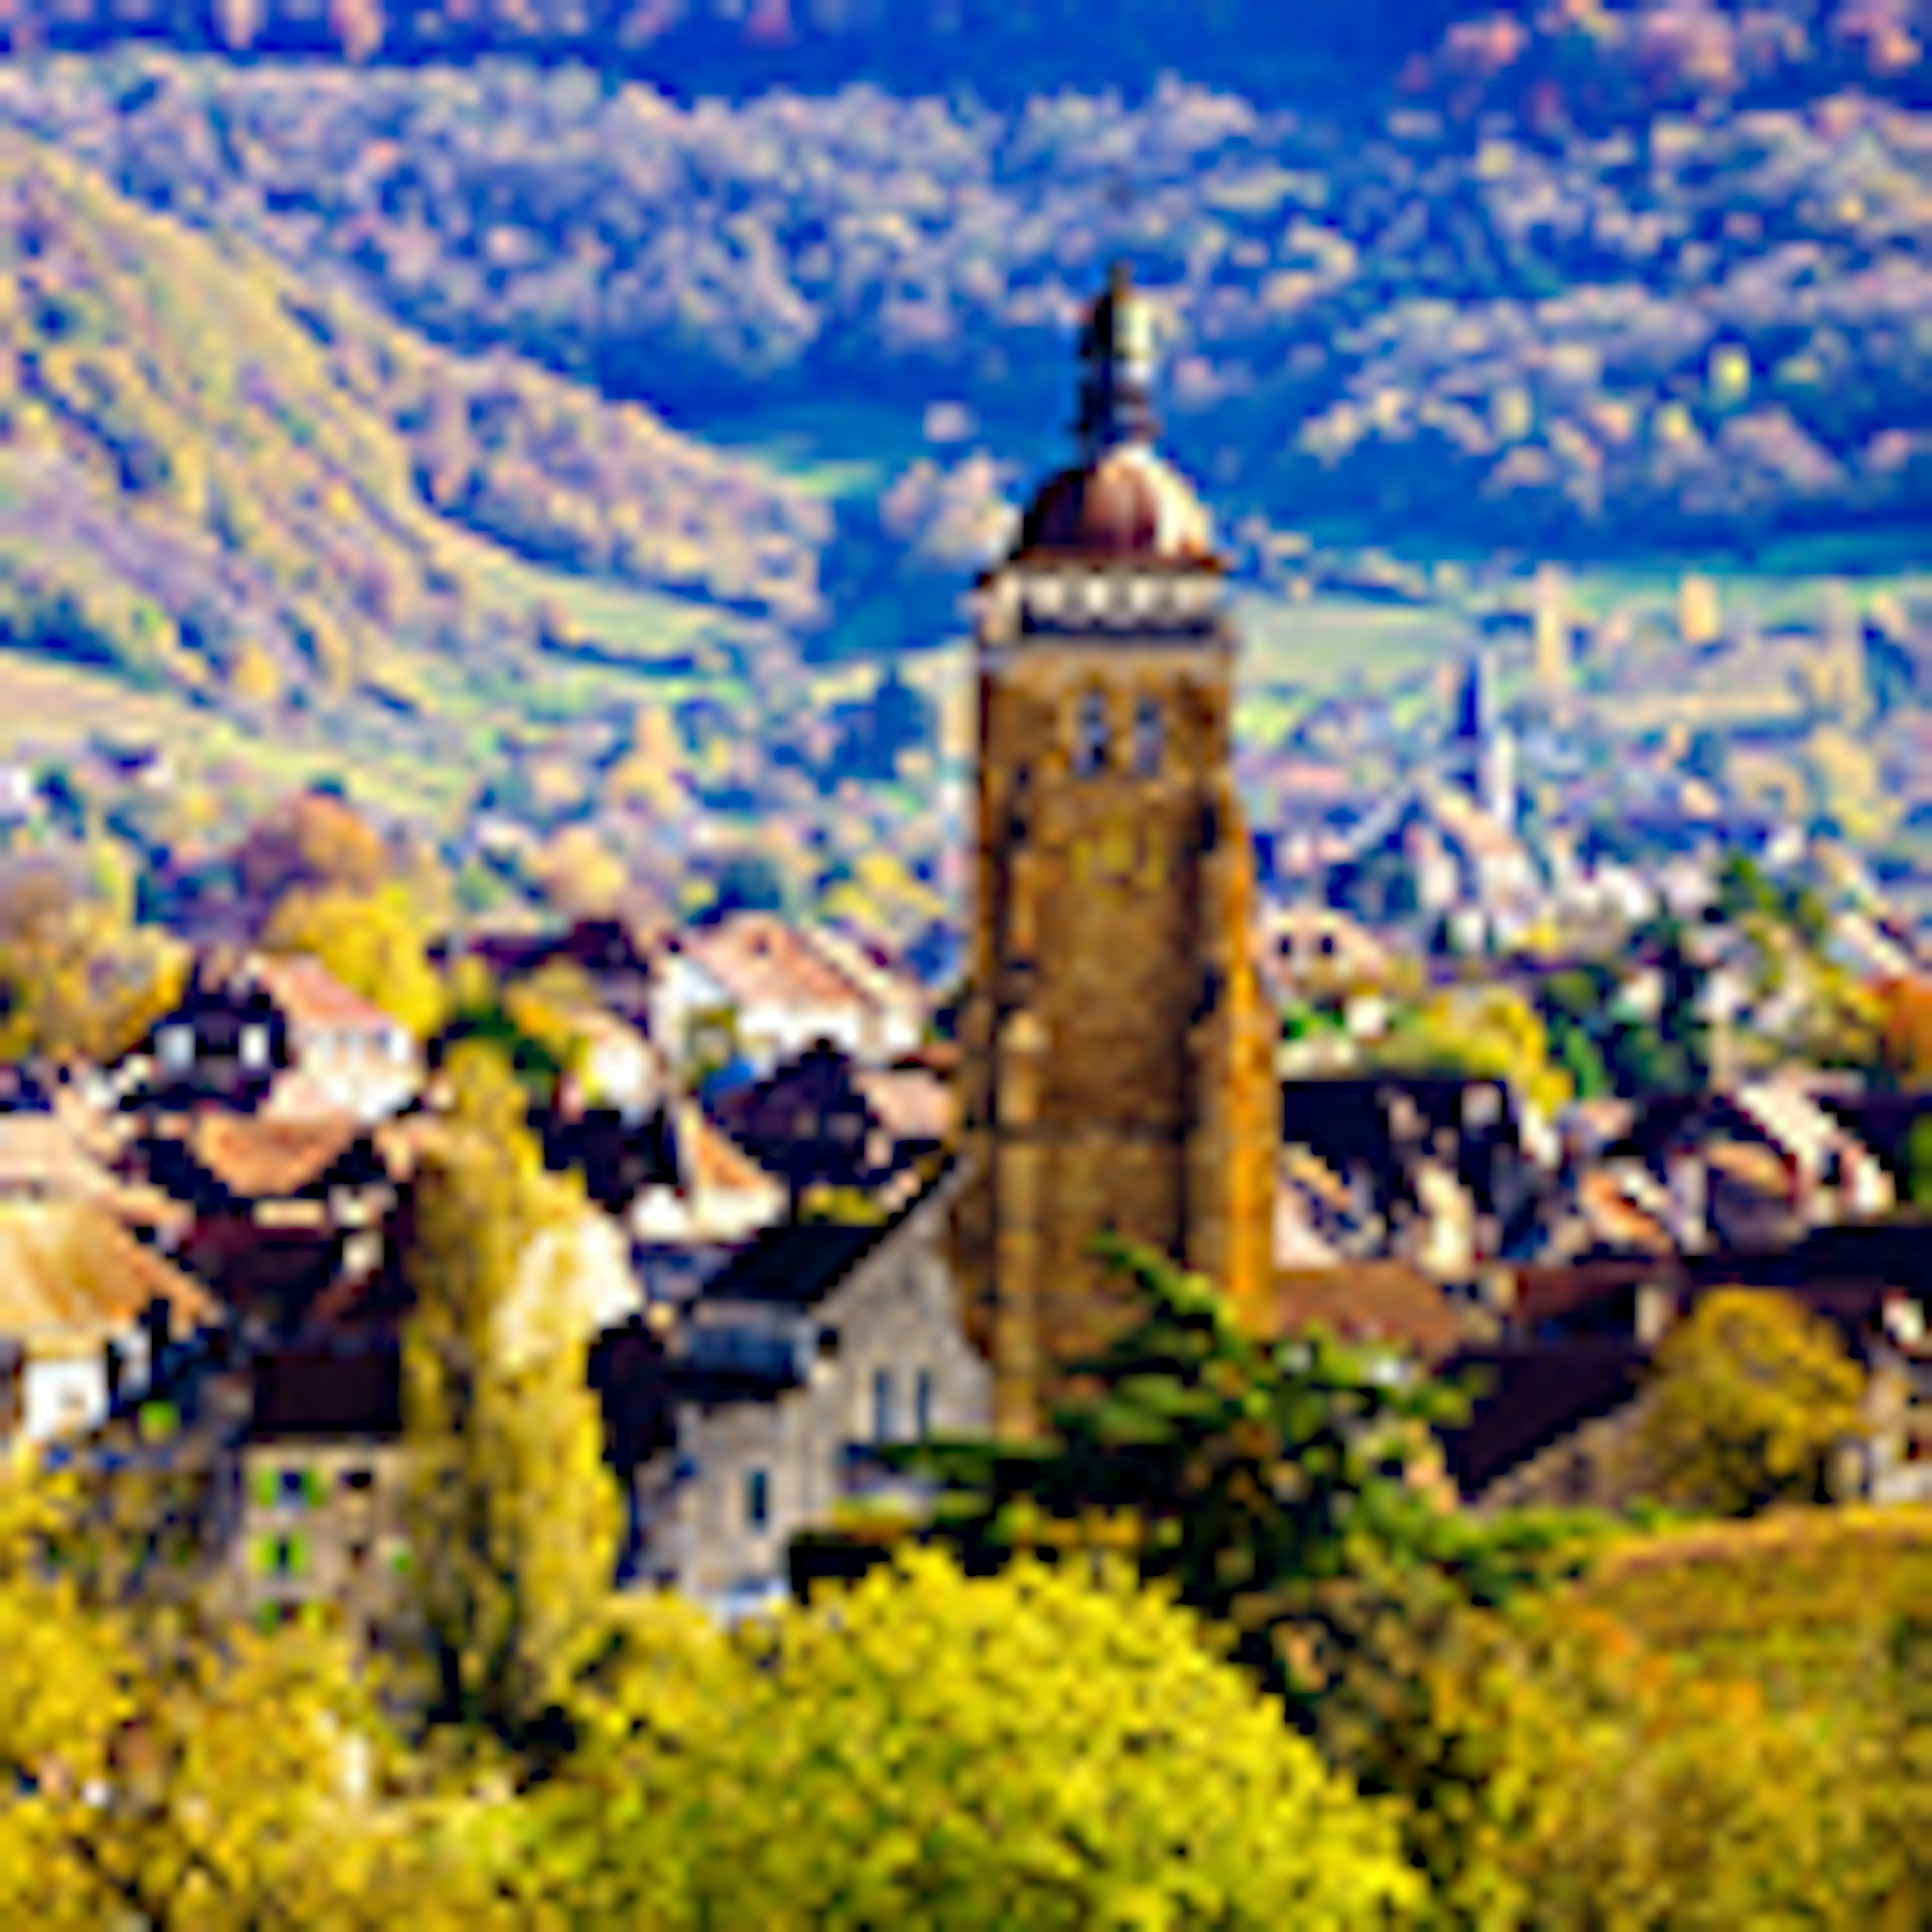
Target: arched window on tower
<point>1148,736</point>
<point>1090,745</point>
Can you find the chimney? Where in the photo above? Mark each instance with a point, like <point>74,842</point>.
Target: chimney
<point>1656,1310</point>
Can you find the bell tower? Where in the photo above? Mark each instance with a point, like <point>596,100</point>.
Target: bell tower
<point>1119,1067</point>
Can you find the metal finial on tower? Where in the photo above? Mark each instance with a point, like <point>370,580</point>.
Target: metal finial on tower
<point>1117,349</point>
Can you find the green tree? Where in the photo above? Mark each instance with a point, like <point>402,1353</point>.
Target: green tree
<point>525,1030</point>
<point>1043,1749</point>
<point>1749,1396</point>
<point>514,1518</point>
<point>1918,1163</point>
<point>1556,1770</point>
<point>1247,1474</point>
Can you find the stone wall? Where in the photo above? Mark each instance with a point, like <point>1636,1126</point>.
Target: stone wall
<point>1119,1061</point>
<point>896,1315</point>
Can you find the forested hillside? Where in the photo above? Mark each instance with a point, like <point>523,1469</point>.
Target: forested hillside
<point>1695,329</point>
<point>218,483</point>
<point>1584,58</point>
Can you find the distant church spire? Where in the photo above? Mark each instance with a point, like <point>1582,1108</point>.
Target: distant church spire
<point>1117,352</point>
<point>1484,752</point>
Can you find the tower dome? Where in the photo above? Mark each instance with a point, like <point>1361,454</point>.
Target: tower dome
<point>1122,502</point>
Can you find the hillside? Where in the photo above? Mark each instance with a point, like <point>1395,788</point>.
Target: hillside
<point>223,489</point>
<point>1588,59</point>
<point>1690,331</point>
<point>729,47</point>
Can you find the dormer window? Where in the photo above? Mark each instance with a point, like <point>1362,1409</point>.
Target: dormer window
<point>1148,738</point>
<point>1089,750</point>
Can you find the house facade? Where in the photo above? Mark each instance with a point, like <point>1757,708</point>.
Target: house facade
<point>280,1034</point>
<point>810,1350</point>
<point>319,1491</point>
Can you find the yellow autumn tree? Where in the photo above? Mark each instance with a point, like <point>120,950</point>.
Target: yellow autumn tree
<point>1044,1748</point>
<point>166,1769</point>
<point>514,1518</point>
<point>1749,1397</point>
<point>1486,1032</point>
<point>77,977</point>
<point>372,942</point>
<point>1556,1771</point>
<point>313,841</point>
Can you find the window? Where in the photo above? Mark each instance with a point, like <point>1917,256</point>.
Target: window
<point>282,1558</point>
<point>176,1045</point>
<point>358,1479</point>
<point>255,1047</point>
<point>757,1499</point>
<point>882,1405</point>
<point>1147,738</point>
<point>922,1405</point>
<point>1089,751</point>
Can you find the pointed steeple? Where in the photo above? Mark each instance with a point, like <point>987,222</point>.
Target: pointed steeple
<point>1117,354</point>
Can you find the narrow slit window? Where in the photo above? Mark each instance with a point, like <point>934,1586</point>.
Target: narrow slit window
<point>1148,735</point>
<point>1090,753</point>
<point>757,1499</point>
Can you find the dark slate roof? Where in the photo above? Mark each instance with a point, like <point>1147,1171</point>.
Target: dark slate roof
<point>799,1263</point>
<point>1534,1396</point>
<point>327,1392</point>
<point>1883,1121</point>
<point>618,1157</point>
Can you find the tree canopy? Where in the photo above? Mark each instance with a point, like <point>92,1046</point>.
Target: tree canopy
<point>1043,1749</point>
<point>514,1518</point>
<point>1750,1395</point>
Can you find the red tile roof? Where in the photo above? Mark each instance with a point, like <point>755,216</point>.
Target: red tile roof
<point>71,1274</point>
<point>1371,1301</point>
<point>312,996</point>
<point>911,1104</point>
<point>762,961</point>
<point>260,1158</point>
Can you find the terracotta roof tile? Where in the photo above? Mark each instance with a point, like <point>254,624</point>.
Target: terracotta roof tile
<point>312,996</point>
<point>40,1157</point>
<point>1615,1219</point>
<point>911,1104</point>
<point>713,1163</point>
<point>70,1273</point>
<point>1371,1301</point>
<point>1760,1169</point>
<point>760,960</point>
<point>258,1158</point>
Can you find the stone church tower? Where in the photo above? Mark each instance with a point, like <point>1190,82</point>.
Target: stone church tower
<point>1119,1063</point>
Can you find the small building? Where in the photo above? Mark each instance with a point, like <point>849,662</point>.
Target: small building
<point>346,1055</point>
<point>85,1310</point>
<point>280,1034</point>
<point>320,1476</point>
<point>721,1195</point>
<point>812,1348</point>
<point>780,989</point>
